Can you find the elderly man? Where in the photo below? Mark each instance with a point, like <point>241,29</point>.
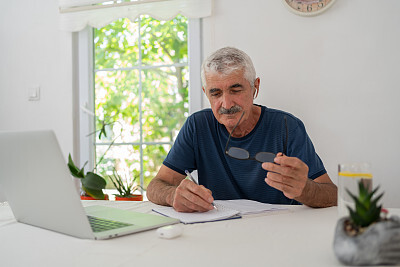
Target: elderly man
<point>240,149</point>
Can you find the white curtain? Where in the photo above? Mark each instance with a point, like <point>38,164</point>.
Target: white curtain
<point>75,15</point>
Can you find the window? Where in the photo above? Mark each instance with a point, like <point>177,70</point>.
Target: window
<point>139,92</point>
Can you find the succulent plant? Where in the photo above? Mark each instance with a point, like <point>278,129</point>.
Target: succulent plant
<point>366,238</point>
<point>125,187</point>
<point>367,210</point>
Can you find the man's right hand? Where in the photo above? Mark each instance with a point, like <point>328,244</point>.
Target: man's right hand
<point>190,197</point>
<point>170,188</point>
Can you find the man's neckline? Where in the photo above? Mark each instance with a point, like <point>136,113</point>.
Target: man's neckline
<point>253,128</point>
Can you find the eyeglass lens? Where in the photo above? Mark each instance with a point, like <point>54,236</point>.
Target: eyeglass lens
<point>240,153</point>
<point>265,157</point>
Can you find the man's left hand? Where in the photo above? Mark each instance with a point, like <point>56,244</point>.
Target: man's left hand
<point>289,175</point>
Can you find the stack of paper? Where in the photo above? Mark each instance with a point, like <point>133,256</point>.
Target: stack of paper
<point>245,206</point>
<point>226,209</point>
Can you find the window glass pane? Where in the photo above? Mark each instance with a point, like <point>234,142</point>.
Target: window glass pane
<point>116,45</point>
<point>124,158</point>
<point>139,101</point>
<point>164,42</point>
<point>153,156</point>
<point>117,105</point>
<point>165,103</point>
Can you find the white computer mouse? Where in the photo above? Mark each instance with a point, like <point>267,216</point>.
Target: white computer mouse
<point>170,231</point>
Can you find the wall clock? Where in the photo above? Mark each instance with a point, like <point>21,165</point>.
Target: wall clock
<point>308,7</point>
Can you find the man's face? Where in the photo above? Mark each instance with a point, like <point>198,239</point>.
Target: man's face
<point>229,92</point>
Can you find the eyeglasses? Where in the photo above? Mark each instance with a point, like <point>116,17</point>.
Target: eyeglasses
<point>243,154</point>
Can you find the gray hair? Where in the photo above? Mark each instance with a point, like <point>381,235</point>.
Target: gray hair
<point>227,60</point>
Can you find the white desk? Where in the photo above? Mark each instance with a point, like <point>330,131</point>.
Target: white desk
<point>300,236</point>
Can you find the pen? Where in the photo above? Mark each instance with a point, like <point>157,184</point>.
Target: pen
<point>194,181</point>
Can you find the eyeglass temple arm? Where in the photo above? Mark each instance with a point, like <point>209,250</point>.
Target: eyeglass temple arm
<point>229,138</point>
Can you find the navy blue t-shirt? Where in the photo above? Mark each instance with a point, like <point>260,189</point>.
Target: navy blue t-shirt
<point>200,146</point>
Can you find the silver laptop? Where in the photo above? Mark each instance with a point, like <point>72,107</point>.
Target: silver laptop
<point>40,191</point>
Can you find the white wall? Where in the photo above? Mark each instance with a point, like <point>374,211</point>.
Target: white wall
<point>339,72</point>
<point>35,53</point>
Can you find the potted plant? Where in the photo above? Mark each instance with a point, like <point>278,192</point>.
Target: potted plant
<point>125,187</point>
<point>366,237</point>
<point>92,183</point>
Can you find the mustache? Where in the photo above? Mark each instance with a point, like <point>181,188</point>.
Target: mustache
<point>232,110</point>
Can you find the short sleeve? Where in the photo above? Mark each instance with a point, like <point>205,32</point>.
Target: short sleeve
<point>181,157</point>
<point>302,147</point>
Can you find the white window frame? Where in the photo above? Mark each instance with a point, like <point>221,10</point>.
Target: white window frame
<point>84,94</point>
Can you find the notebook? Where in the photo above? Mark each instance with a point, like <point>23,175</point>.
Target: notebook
<point>220,213</point>
<point>226,209</point>
<point>40,191</point>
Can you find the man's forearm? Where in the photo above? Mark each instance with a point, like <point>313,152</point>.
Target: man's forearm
<point>160,192</point>
<point>318,195</point>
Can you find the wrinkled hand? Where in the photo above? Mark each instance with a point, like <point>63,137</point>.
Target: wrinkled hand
<point>190,197</point>
<point>287,174</point>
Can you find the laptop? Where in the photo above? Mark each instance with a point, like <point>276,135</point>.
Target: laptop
<point>40,191</point>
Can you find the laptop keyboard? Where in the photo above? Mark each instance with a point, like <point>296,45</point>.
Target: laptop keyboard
<point>100,224</point>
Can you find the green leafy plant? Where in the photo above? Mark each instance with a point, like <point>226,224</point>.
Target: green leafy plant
<point>367,237</point>
<point>164,90</point>
<point>367,210</point>
<point>92,183</point>
<point>125,187</point>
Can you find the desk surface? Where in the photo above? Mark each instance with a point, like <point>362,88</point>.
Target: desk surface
<point>299,236</point>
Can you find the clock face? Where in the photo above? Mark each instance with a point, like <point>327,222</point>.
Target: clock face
<point>308,7</point>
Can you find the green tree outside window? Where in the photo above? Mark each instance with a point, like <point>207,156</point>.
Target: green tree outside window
<point>141,93</point>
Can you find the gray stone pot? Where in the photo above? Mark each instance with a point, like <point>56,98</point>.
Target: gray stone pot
<point>379,244</point>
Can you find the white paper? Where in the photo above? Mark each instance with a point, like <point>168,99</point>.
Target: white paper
<point>245,206</point>
<point>225,209</point>
<point>221,213</point>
